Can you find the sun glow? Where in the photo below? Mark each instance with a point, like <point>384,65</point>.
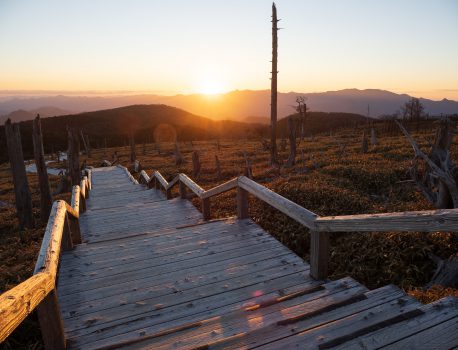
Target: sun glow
<point>209,87</point>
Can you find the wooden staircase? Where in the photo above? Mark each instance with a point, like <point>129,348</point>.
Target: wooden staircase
<point>131,268</point>
<point>151,274</point>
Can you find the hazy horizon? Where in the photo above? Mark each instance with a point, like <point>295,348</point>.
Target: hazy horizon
<point>179,47</point>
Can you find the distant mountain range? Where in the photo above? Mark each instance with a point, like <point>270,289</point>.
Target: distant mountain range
<point>241,105</point>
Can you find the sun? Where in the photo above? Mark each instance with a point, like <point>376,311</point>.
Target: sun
<point>210,87</point>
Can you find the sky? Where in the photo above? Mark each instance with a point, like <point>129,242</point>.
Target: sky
<point>211,46</point>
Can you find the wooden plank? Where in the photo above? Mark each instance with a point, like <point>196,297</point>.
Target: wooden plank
<point>191,185</point>
<point>434,314</point>
<point>171,252</point>
<point>307,330</point>
<point>51,325</point>
<point>245,320</point>
<point>73,284</point>
<point>157,320</point>
<point>183,288</point>
<point>227,186</point>
<point>291,209</point>
<point>442,336</point>
<point>423,221</point>
<point>20,301</point>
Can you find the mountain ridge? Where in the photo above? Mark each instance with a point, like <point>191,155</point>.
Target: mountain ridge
<point>240,104</point>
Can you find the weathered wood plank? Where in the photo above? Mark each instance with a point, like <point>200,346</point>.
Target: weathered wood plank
<point>434,314</point>
<point>291,209</point>
<point>423,221</point>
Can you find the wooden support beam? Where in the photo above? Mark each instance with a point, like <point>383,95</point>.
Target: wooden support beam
<point>67,242</point>
<point>45,192</point>
<point>21,185</point>
<point>242,203</point>
<point>206,208</point>
<point>51,325</point>
<point>319,254</point>
<point>182,190</point>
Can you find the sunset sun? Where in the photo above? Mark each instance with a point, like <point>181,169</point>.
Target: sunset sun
<point>211,87</point>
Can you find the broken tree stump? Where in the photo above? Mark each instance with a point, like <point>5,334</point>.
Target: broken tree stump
<point>21,185</point>
<point>45,192</point>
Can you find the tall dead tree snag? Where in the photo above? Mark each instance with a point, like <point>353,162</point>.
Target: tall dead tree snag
<point>21,185</point>
<point>133,156</point>
<point>273,89</point>
<point>73,157</point>
<point>196,166</point>
<point>302,110</point>
<point>45,192</point>
<point>292,143</point>
<point>86,146</point>
<point>364,143</point>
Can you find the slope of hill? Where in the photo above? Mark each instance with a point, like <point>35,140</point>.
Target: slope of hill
<point>21,115</point>
<point>239,105</point>
<point>148,123</point>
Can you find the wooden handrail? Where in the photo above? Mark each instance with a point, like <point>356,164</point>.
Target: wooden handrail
<point>38,292</point>
<point>423,221</point>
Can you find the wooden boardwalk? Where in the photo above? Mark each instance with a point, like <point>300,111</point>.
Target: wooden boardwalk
<point>151,274</point>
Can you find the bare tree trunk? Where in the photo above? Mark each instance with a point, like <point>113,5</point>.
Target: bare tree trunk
<point>195,164</point>
<point>218,167</point>
<point>437,180</point>
<point>45,192</point>
<point>364,143</point>
<point>273,103</point>
<point>88,144</point>
<point>86,150</point>
<point>21,185</point>
<point>374,140</point>
<point>73,161</point>
<point>248,168</point>
<point>292,143</point>
<point>178,156</point>
<point>133,156</point>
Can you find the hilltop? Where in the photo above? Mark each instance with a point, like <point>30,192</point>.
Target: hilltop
<point>152,123</point>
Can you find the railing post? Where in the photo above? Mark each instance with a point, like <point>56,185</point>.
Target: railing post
<point>75,229</point>
<point>82,204</point>
<point>168,193</point>
<point>205,202</point>
<point>67,243</point>
<point>182,190</point>
<point>51,325</point>
<point>319,254</point>
<point>242,203</point>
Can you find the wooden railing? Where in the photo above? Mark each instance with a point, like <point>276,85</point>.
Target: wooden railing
<point>423,221</point>
<point>39,291</point>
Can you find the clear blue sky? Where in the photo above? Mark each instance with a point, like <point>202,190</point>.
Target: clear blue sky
<point>173,46</point>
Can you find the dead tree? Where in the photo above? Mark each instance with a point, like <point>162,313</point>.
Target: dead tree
<point>283,145</point>
<point>292,143</point>
<point>341,150</point>
<point>218,167</point>
<point>374,140</point>
<point>273,102</point>
<point>21,185</point>
<point>301,110</point>
<point>178,156</point>
<point>86,148</point>
<point>364,143</point>
<point>196,166</point>
<point>434,174</point>
<point>73,161</point>
<point>133,156</point>
<point>88,144</point>
<point>45,192</point>
<point>248,171</point>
